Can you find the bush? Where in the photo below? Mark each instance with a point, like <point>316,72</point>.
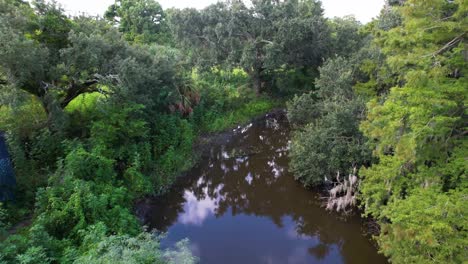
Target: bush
<point>330,142</point>
<point>143,248</point>
<point>226,100</point>
<point>328,145</point>
<point>303,109</point>
<point>292,82</point>
<point>172,148</point>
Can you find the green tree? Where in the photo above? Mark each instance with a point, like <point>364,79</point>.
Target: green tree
<point>417,129</point>
<point>32,60</point>
<point>330,142</point>
<point>142,21</point>
<point>346,36</point>
<point>90,57</point>
<point>260,38</point>
<point>143,248</point>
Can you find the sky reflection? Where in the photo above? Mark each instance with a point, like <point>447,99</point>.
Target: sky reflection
<point>197,210</point>
<point>242,205</point>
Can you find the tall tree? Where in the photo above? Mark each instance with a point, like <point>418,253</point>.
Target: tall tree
<point>142,21</point>
<point>346,36</point>
<point>57,65</point>
<point>259,38</point>
<point>39,61</point>
<point>418,130</point>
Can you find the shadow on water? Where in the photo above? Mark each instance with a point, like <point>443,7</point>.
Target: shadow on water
<point>241,205</point>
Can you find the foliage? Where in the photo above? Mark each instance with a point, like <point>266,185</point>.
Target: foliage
<point>258,38</point>
<point>327,140</point>
<point>428,227</point>
<point>240,116</point>
<point>99,112</point>
<point>143,248</point>
<point>303,109</point>
<point>119,248</point>
<point>95,184</point>
<point>91,118</point>
<point>53,63</point>
<point>328,145</point>
<point>226,101</point>
<point>173,138</point>
<point>4,223</point>
<point>93,123</point>
<point>346,36</point>
<point>286,83</point>
<point>417,189</point>
<point>142,21</point>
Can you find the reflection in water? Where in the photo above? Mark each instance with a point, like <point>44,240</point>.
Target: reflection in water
<point>197,210</point>
<point>241,205</point>
<point>291,233</point>
<point>275,169</point>
<point>249,178</point>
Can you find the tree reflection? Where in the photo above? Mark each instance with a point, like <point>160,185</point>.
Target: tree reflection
<point>249,176</point>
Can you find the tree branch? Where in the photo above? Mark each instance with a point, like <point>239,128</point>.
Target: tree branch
<point>88,86</point>
<point>75,90</point>
<point>265,41</point>
<point>449,45</point>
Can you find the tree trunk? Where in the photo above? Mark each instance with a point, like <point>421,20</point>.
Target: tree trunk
<point>53,112</point>
<point>256,72</point>
<point>257,84</point>
<point>256,79</point>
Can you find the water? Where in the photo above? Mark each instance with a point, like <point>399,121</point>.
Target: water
<point>241,205</point>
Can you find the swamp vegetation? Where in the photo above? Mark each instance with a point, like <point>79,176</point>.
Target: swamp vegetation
<point>99,112</point>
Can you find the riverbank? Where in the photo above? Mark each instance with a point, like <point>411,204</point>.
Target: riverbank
<point>208,139</point>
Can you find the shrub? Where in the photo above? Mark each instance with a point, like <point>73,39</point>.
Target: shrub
<point>330,142</point>
<point>326,146</point>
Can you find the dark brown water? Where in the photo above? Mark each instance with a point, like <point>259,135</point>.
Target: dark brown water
<point>241,205</point>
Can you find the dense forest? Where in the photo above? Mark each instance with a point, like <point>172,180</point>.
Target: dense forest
<point>98,112</point>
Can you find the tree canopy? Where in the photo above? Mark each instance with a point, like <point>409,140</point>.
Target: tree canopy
<point>62,59</point>
<point>142,21</point>
<point>418,131</point>
<point>261,38</point>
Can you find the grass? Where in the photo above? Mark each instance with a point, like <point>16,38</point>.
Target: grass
<point>242,115</point>
<point>84,102</point>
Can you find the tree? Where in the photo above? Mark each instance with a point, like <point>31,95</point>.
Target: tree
<point>418,133</point>
<point>265,36</point>
<point>90,57</point>
<point>32,60</point>
<point>331,142</point>
<point>143,248</point>
<point>142,21</point>
<point>81,178</point>
<point>347,39</point>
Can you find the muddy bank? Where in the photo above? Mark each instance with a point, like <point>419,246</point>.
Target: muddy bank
<point>206,142</point>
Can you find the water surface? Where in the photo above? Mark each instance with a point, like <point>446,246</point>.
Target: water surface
<point>241,205</point>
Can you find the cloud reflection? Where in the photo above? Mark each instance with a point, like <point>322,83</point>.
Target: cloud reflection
<point>197,210</point>
<point>249,178</point>
<point>275,169</point>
